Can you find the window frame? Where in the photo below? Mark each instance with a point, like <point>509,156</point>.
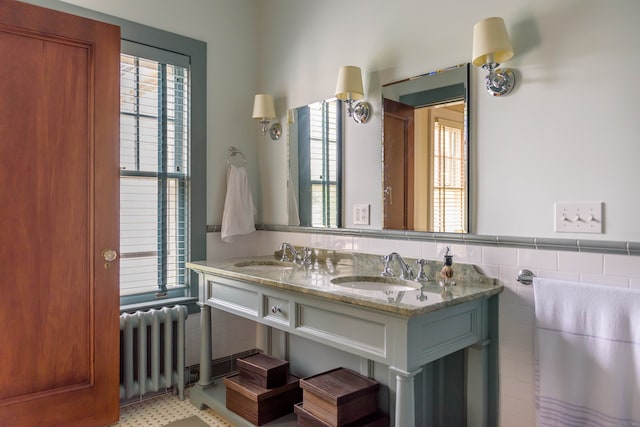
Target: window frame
<point>161,176</point>
<point>196,50</point>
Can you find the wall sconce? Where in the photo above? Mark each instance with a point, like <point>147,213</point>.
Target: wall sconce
<point>491,47</point>
<point>264,110</point>
<point>349,89</point>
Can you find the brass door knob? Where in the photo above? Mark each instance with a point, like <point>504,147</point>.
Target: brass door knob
<point>109,255</point>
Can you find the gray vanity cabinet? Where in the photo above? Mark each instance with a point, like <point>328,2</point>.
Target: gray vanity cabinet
<point>404,343</point>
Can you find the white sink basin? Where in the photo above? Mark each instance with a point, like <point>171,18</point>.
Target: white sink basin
<point>264,265</point>
<point>375,283</point>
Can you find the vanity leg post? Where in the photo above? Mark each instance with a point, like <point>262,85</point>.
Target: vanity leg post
<point>205,346</point>
<point>477,385</point>
<point>198,396</point>
<point>482,371</point>
<point>405,407</point>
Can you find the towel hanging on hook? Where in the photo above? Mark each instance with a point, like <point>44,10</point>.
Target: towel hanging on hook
<point>235,157</point>
<point>239,210</point>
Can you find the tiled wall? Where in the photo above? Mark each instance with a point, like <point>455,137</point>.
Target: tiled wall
<point>517,386</point>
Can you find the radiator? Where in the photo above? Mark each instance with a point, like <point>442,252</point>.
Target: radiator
<point>152,347</point>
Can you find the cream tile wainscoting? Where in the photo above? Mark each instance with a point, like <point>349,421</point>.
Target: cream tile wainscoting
<point>517,382</point>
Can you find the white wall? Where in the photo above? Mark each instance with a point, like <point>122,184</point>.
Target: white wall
<point>568,132</point>
<point>228,28</point>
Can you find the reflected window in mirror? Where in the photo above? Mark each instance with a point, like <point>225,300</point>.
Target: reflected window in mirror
<point>425,153</point>
<point>449,163</point>
<point>315,155</point>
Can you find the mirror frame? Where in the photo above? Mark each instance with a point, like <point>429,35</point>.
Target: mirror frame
<point>465,69</point>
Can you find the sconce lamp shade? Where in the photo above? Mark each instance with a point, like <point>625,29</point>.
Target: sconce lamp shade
<point>349,83</point>
<point>263,107</point>
<point>491,43</point>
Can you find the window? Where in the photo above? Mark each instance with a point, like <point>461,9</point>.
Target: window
<point>154,172</point>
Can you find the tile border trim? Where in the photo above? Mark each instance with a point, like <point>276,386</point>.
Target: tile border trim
<point>538,243</point>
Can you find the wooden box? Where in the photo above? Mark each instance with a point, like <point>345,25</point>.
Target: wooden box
<point>307,419</point>
<point>260,405</point>
<point>340,396</point>
<point>263,370</point>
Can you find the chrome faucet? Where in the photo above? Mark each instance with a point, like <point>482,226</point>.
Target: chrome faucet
<point>406,272</point>
<point>288,246</point>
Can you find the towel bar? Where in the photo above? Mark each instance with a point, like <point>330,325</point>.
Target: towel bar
<point>525,277</point>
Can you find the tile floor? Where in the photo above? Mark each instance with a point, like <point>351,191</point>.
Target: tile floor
<point>163,409</point>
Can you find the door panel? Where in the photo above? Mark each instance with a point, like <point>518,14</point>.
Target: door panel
<point>398,165</point>
<point>59,130</point>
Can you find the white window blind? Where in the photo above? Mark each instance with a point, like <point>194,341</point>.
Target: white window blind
<point>449,192</point>
<point>323,153</point>
<point>154,173</point>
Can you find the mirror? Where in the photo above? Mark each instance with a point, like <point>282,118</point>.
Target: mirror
<point>425,152</point>
<point>315,164</point>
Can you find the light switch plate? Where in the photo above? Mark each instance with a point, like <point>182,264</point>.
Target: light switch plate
<point>578,217</point>
<point>361,214</point>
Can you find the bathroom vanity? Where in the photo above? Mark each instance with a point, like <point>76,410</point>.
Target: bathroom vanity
<point>341,300</point>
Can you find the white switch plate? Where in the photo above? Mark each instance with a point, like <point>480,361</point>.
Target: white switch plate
<point>585,217</point>
<point>361,214</point>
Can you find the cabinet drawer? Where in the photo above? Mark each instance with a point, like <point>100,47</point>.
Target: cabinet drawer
<point>351,330</point>
<point>276,309</point>
<point>235,299</point>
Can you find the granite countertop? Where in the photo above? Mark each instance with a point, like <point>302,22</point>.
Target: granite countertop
<point>404,298</point>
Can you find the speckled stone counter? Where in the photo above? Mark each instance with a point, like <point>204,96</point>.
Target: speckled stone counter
<point>316,279</point>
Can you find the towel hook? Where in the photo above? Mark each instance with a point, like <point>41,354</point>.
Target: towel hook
<point>233,152</point>
<point>525,276</point>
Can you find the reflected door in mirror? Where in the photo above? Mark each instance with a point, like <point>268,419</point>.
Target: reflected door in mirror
<point>398,165</point>
<point>424,168</point>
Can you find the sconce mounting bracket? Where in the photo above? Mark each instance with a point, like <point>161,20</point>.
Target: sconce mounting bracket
<point>275,131</point>
<point>361,112</point>
<point>500,81</point>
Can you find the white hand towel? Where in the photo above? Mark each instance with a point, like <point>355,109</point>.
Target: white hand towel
<point>588,354</point>
<point>239,210</point>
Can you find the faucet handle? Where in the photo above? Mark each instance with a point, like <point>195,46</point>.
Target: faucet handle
<point>306,255</point>
<point>422,276</point>
<point>386,271</point>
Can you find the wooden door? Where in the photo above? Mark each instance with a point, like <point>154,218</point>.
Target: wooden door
<point>59,201</point>
<point>398,165</point>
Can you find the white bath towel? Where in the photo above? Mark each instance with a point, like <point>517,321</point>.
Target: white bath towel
<point>239,210</point>
<point>588,354</point>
